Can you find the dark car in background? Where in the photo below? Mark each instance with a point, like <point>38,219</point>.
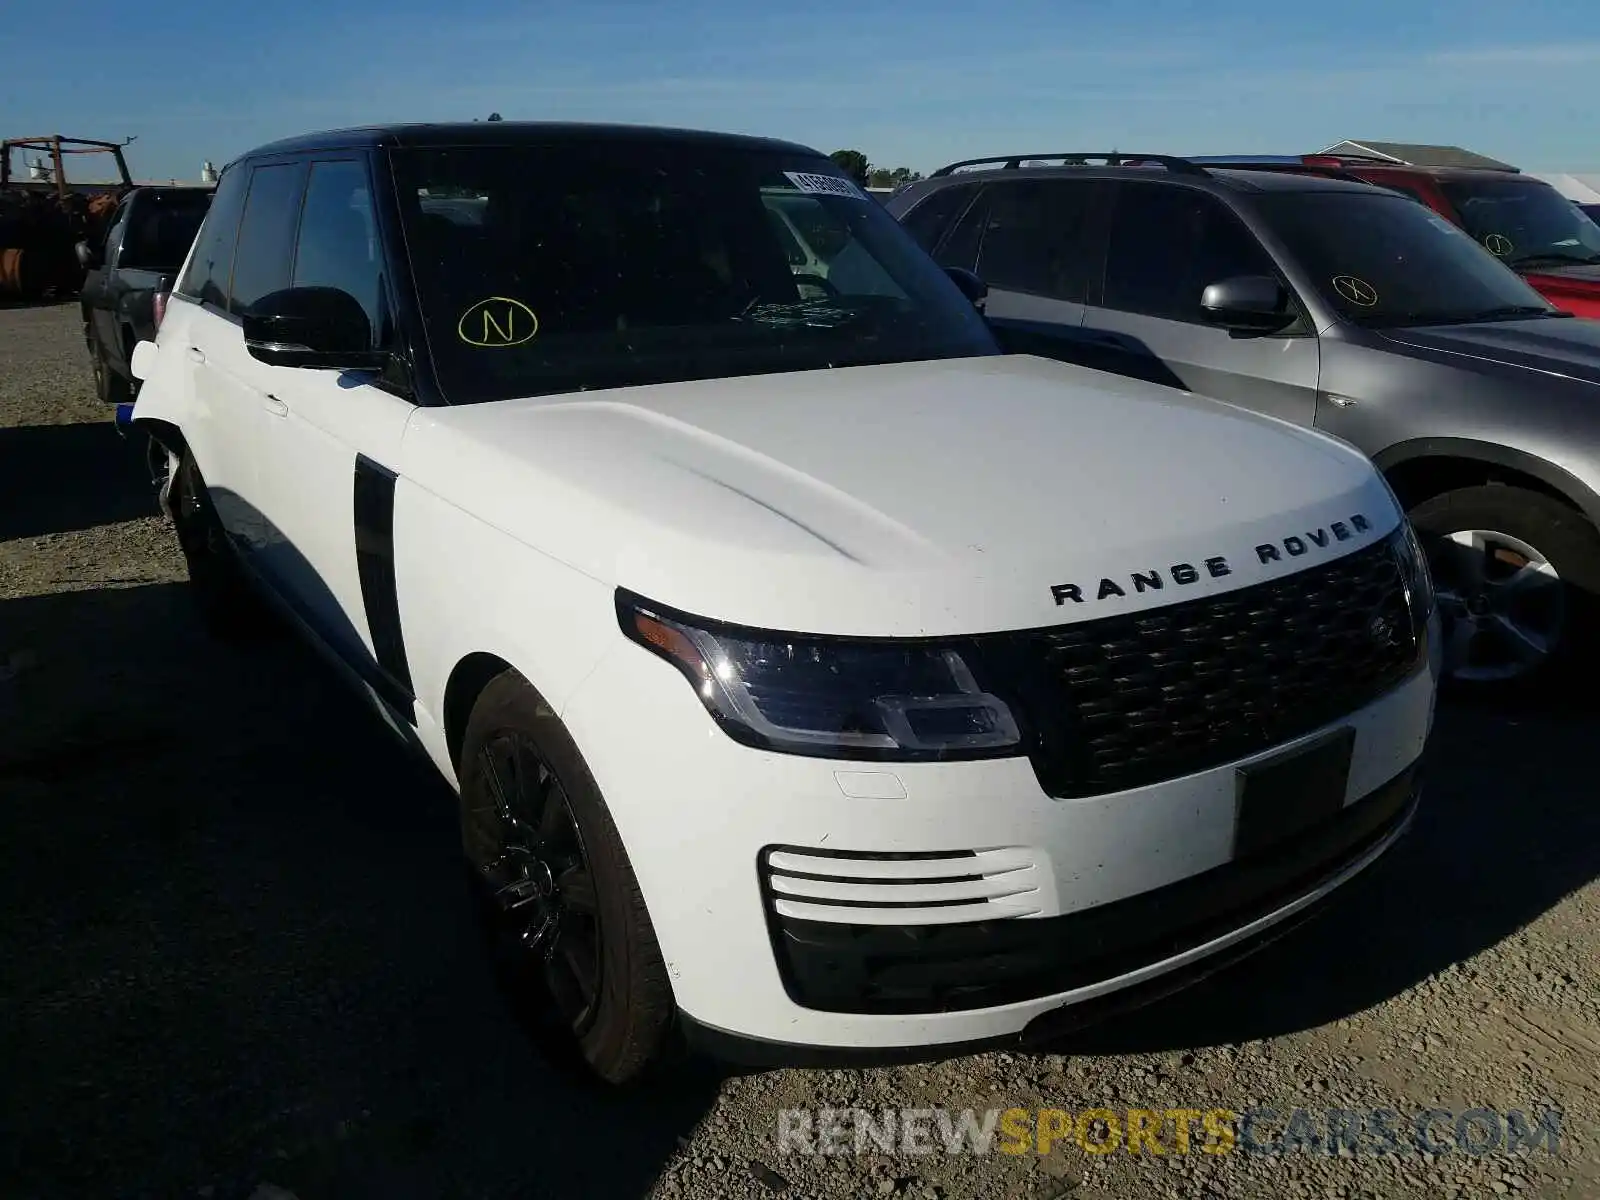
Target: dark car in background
<point>1332,303</point>
<point>129,274</point>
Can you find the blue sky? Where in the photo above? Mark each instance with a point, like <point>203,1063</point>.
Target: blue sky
<point>916,85</point>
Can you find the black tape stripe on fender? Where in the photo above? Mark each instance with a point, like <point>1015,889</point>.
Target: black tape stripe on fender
<point>374,520</point>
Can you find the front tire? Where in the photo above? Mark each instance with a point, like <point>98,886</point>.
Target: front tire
<point>569,929</point>
<point>1518,579</point>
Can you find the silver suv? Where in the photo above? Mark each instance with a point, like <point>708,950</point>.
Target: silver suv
<point>1332,303</point>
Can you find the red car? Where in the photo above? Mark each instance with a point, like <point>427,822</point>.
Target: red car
<point>1533,228</point>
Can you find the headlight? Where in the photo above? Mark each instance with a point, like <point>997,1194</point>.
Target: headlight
<point>1413,573</point>
<point>830,697</point>
<point>1407,549</point>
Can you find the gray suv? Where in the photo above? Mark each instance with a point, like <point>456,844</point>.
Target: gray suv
<point>1332,303</point>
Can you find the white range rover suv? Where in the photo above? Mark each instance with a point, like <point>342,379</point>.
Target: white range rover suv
<point>816,679</point>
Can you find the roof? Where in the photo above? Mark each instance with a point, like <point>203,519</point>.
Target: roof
<point>1233,178</point>
<point>1582,189</point>
<point>503,133</point>
<point>1407,154</point>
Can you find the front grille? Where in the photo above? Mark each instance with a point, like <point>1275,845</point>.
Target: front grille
<point>1154,695</point>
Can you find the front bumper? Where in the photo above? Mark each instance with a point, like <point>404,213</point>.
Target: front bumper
<point>956,903</point>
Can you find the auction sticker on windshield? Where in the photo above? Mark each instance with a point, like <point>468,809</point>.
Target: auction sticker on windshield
<point>497,321</point>
<point>824,185</point>
<point>1357,291</point>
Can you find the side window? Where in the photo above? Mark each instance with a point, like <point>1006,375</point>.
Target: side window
<point>928,220</point>
<point>1034,238</point>
<point>960,248</point>
<point>114,232</point>
<point>266,235</point>
<point>1167,244</point>
<point>338,243</point>
<point>206,278</point>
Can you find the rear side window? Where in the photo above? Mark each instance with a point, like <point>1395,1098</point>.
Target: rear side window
<point>928,220</point>
<point>266,235</point>
<point>1033,240</point>
<point>1167,244</point>
<point>338,244</point>
<point>206,278</point>
<point>160,229</point>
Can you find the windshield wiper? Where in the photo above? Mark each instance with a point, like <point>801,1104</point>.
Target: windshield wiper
<point>1518,310</point>
<point>1418,318</point>
<point>1555,260</point>
<point>1505,312</point>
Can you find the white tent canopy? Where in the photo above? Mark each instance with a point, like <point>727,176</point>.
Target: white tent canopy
<point>1582,189</point>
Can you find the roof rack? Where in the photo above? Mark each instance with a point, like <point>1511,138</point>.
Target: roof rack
<point>1179,166</point>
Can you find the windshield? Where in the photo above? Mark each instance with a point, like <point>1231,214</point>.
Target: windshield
<point>1385,260</point>
<point>1528,224</point>
<point>555,268</point>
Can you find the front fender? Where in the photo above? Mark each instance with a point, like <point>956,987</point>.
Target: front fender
<point>1559,479</point>
<point>464,588</point>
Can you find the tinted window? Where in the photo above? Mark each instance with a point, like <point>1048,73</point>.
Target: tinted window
<point>338,244</point>
<point>207,276</point>
<point>960,249</point>
<point>928,220</point>
<point>266,235</point>
<point>1168,244</point>
<point>161,228</point>
<point>649,261</point>
<point>1527,224</point>
<point>1385,260</point>
<point>114,231</point>
<point>1033,238</point>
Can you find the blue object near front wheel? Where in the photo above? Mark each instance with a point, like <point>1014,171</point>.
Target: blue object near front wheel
<point>124,416</point>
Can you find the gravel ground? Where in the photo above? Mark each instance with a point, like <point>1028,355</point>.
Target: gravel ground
<point>237,957</point>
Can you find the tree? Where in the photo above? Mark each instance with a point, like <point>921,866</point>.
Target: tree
<point>885,177</point>
<point>854,163</point>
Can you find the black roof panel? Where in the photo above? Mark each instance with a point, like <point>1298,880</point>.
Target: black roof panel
<point>511,133</point>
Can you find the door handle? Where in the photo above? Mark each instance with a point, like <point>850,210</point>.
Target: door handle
<point>276,407</point>
<point>196,354</point>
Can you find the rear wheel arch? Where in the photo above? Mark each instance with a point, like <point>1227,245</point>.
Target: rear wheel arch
<point>1422,469</point>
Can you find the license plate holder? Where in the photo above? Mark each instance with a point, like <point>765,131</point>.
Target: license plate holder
<point>1278,797</point>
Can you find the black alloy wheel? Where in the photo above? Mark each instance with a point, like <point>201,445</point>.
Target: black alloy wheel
<point>528,852</point>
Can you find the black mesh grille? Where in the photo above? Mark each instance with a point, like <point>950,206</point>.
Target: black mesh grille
<point>1155,695</point>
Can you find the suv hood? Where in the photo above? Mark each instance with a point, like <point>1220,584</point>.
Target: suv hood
<point>1568,347</point>
<point>930,498</point>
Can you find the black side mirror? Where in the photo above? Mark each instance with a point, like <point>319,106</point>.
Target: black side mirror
<point>316,327</point>
<point>1247,304</point>
<point>88,256</point>
<point>973,288</point>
